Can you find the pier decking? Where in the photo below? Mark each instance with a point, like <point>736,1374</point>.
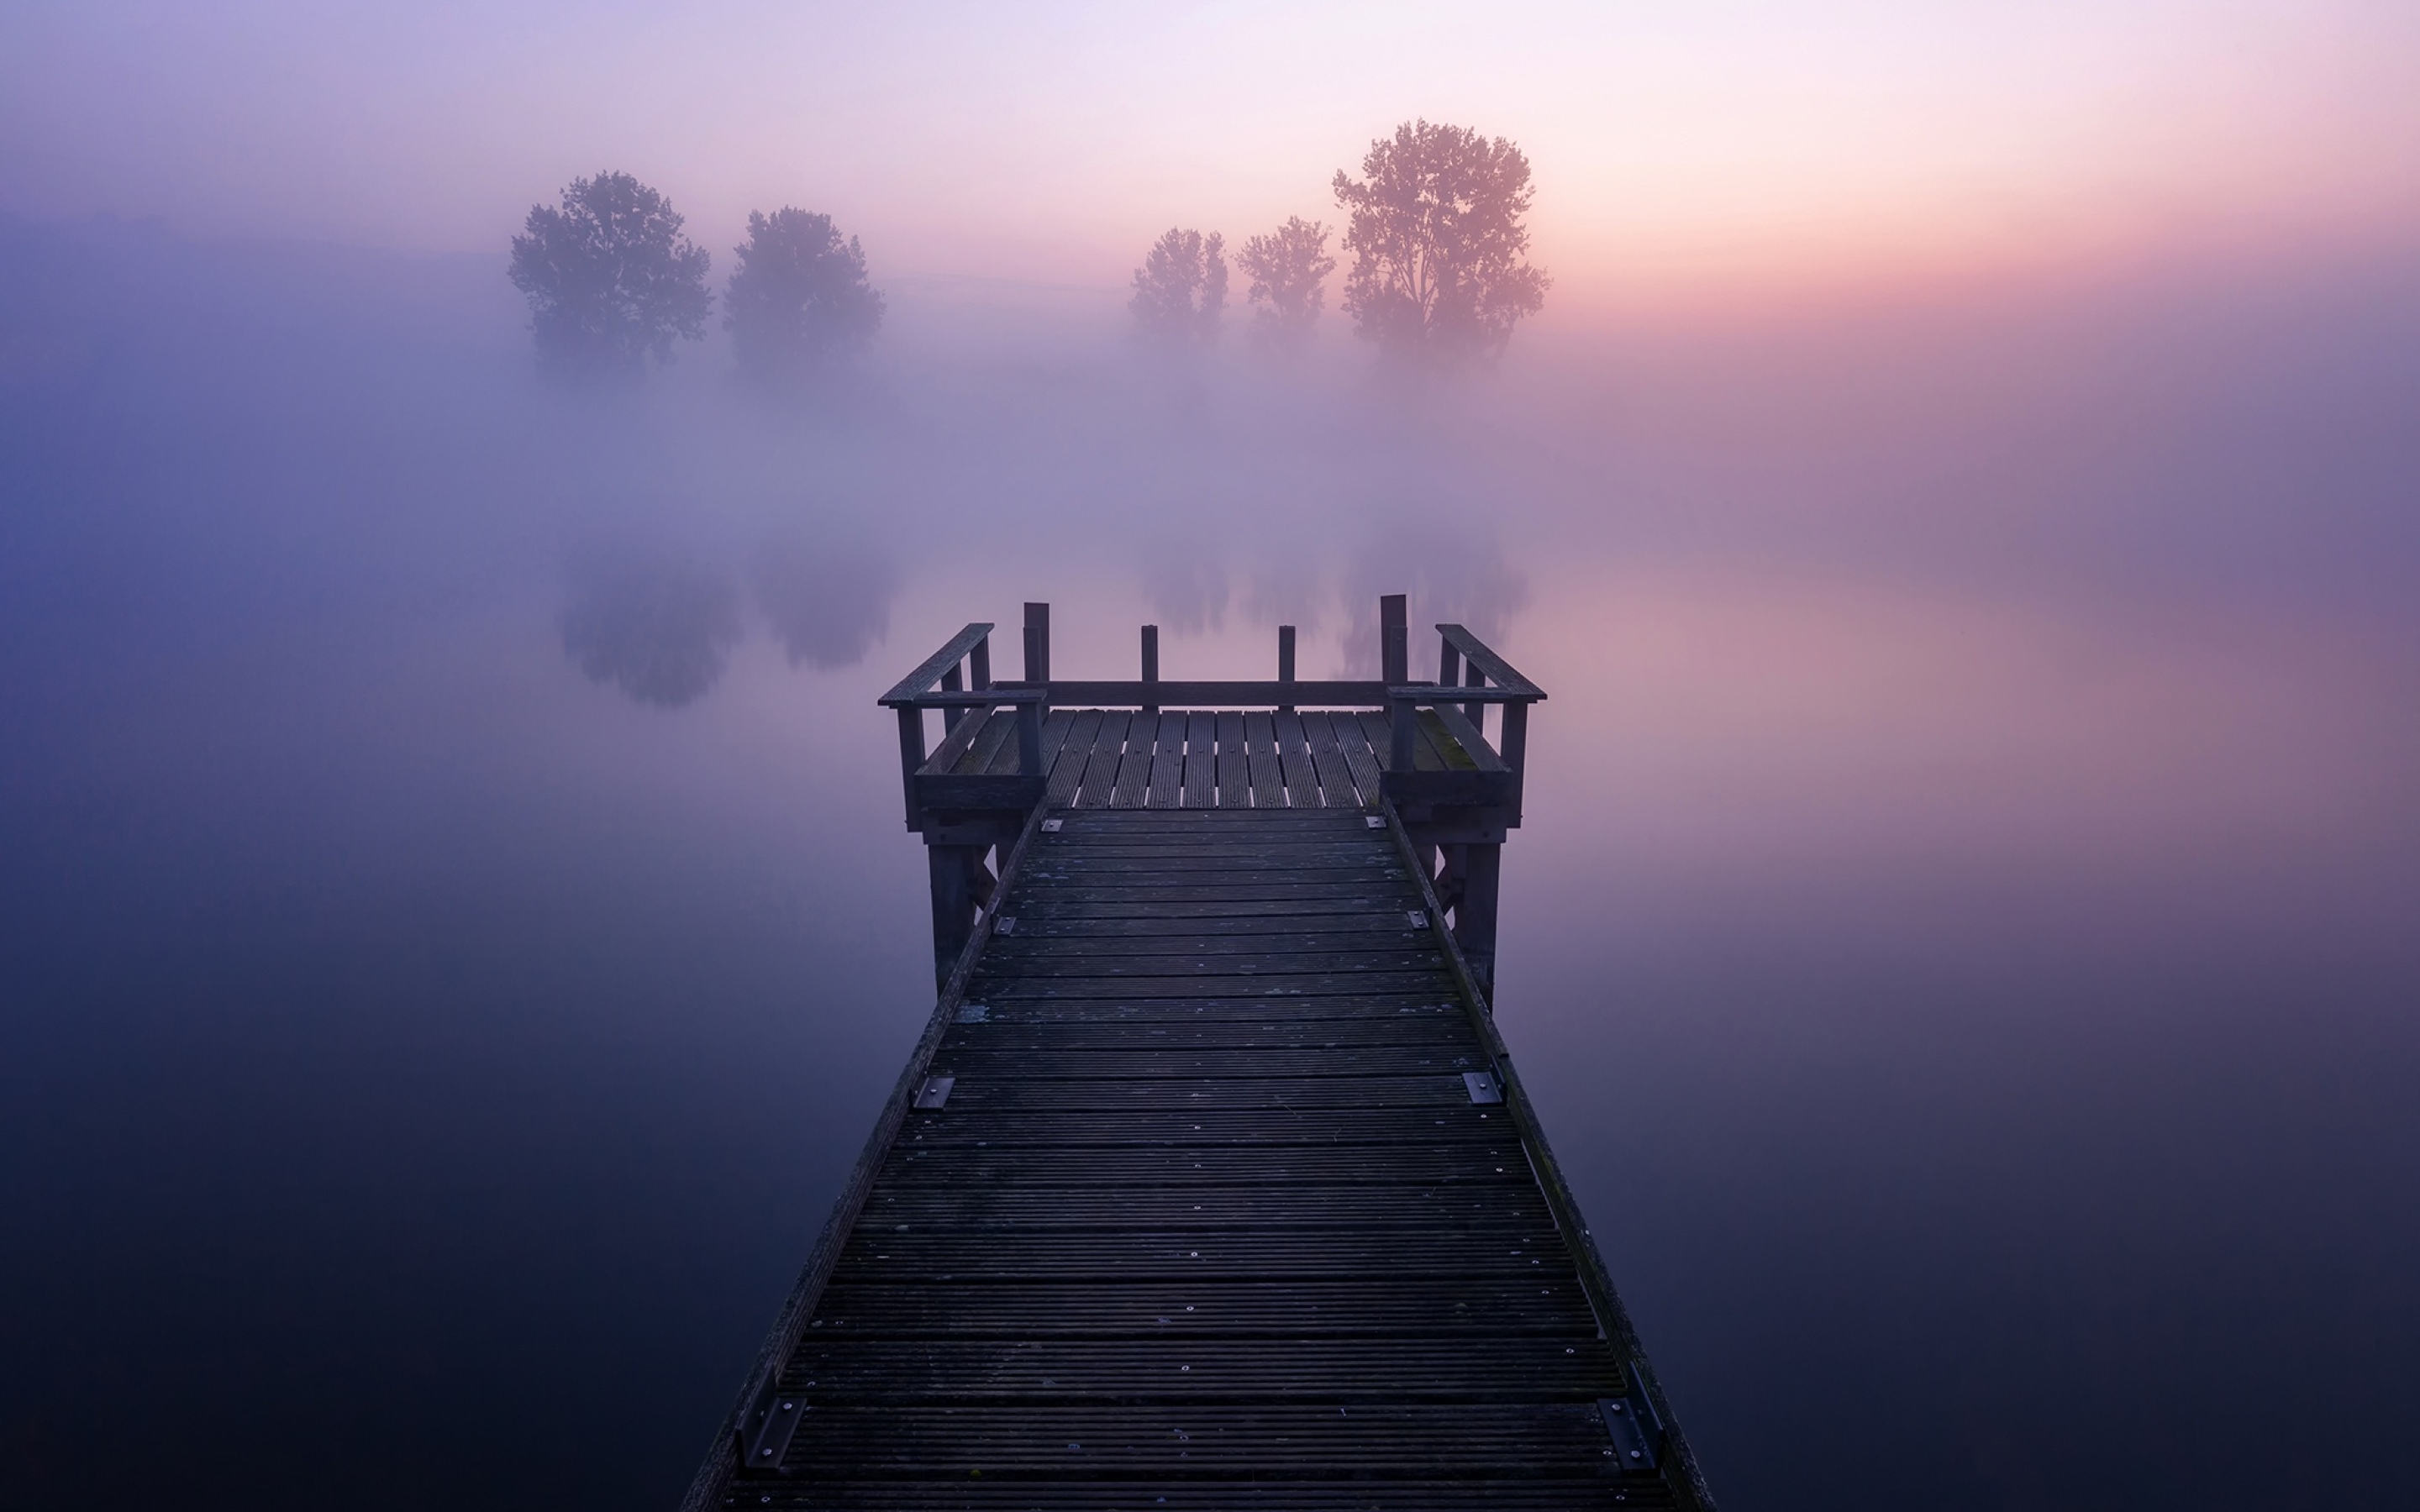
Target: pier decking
<point>1210,1183</point>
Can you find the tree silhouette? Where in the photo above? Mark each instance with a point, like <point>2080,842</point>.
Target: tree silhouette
<point>1180,291</point>
<point>1289,270</point>
<point>611,282</point>
<point>1438,274</point>
<point>799,296</point>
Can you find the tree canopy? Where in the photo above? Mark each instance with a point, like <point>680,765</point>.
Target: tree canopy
<point>1289,268</point>
<point>1180,291</point>
<point>611,282</point>
<point>799,296</point>
<point>1438,273</point>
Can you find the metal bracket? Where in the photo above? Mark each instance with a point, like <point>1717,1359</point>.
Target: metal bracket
<point>1050,827</point>
<point>1482,1087</point>
<point>973,1012</point>
<point>1373,821</point>
<point>765,1436</point>
<point>1006,924</point>
<point>934,1093</point>
<point>1637,1432</point>
<point>1420,919</point>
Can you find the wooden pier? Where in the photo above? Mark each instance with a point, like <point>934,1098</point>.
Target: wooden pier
<point>1210,1183</point>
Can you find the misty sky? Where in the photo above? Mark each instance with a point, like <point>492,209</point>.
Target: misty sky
<point>1960,495</point>
<point>1738,143</point>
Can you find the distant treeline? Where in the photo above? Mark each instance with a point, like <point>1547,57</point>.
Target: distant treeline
<point>1434,228</point>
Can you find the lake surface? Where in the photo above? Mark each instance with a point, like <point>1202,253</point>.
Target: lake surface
<point>460,931</point>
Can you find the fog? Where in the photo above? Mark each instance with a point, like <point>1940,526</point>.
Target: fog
<point>459,928</point>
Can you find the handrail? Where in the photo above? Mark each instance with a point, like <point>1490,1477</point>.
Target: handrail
<point>925,678</point>
<point>1470,677</point>
<point>1480,654</point>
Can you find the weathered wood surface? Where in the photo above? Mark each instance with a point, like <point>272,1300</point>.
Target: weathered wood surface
<point>1203,758</point>
<point>1209,1218</point>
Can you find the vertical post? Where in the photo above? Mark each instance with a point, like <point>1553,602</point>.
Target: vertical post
<point>953,869</point>
<point>1037,644</point>
<point>1475,712</point>
<point>1285,661</point>
<point>951,683</point>
<point>911,756</point>
<point>1513,746</point>
<point>1150,670</point>
<point>1395,670</point>
<point>1028,740</point>
<point>1448,663</point>
<point>1474,913</point>
<point>1394,642</point>
<point>979,664</point>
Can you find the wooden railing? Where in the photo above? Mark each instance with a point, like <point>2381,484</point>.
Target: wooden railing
<point>1471,678</point>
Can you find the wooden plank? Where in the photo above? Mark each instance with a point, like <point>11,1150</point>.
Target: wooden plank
<point>1208,695</point>
<point>1200,760</point>
<point>1336,782</point>
<point>1361,758</point>
<point>1000,989</point>
<point>1109,874</point>
<point>1055,950</point>
<point>1108,754</point>
<point>1466,738</point>
<point>960,734</point>
<point>1074,750</point>
<point>1053,960</point>
<point>1261,754</point>
<point>998,732</point>
<point>1168,763</point>
<point>1133,787</point>
<point>1235,774</point>
<point>1293,759</point>
<point>1482,1308</point>
<point>1054,734</point>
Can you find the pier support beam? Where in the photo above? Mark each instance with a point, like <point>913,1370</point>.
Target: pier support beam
<point>1479,870</point>
<point>962,884</point>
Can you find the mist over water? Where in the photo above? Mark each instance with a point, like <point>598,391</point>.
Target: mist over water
<point>459,930</point>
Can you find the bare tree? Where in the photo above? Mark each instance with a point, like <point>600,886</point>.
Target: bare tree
<point>611,282</point>
<point>1289,268</point>
<point>1438,273</point>
<point>1180,291</point>
<point>799,296</point>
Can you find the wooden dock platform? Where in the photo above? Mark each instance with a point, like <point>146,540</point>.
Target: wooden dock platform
<point>1210,1184</point>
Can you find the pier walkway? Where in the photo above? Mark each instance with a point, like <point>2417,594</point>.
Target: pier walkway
<point>1210,1183</point>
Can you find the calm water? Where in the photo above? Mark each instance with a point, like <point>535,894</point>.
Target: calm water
<point>1959,947</point>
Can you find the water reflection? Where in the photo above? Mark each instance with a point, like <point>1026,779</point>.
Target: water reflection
<point>654,624</point>
<point>827,599</point>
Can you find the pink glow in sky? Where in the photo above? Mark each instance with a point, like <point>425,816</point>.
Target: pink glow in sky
<point>1675,146</point>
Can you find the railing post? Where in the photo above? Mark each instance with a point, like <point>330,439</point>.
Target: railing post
<point>979,663</point>
<point>1513,746</point>
<point>1037,644</point>
<point>1029,739</point>
<point>1394,641</point>
<point>1402,712</point>
<point>1448,663</point>
<point>1477,713</point>
<point>951,684</point>
<point>911,756</point>
<point>1285,661</point>
<point>1150,669</point>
